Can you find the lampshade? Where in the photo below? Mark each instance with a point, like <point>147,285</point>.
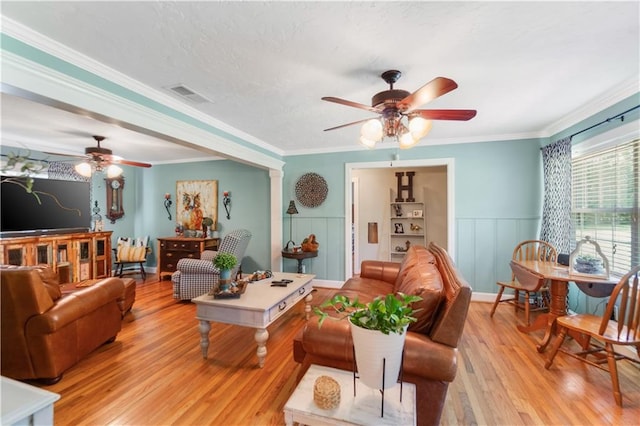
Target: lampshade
<point>405,129</point>
<point>406,139</point>
<point>372,232</point>
<point>419,127</point>
<point>113,171</point>
<point>83,169</point>
<point>292,208</point>
<point>372,130</point>
<point>86,169</point>
<point>367,142</point>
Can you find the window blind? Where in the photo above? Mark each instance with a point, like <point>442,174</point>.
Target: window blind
<point>605,192</point>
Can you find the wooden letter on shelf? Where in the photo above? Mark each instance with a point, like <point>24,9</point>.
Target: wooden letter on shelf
<point>408,187</point>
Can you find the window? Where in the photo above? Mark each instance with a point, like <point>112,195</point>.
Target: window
<point>605,192</point>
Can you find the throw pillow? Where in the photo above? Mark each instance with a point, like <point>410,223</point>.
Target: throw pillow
<point>50,281</point>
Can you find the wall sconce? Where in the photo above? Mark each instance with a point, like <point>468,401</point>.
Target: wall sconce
<point>226,202</point>
<point>168,203</point>
<point>372,232</point>
<point>291,211</point>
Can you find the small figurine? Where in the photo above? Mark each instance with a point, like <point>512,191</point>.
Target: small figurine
<point>415,227</point>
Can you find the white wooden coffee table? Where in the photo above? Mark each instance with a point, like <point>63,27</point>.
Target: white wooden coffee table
<point>259,306</point>
<point>363,409</point>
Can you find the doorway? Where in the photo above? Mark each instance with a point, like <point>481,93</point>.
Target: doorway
<point>373,203</point>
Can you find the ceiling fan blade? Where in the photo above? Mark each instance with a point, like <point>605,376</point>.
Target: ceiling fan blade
<point>430,91</point>
<point>348,124</point>
<point>59,154</point>
<point>116,159</point>
<point>349,103</point>
<point>444,114</point>
<point>131,163</point>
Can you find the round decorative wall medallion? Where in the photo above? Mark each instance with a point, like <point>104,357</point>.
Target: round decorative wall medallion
<point>311,190</point>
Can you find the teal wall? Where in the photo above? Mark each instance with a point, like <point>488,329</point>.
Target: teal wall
<point>250,195</point>
<point>498,195</point>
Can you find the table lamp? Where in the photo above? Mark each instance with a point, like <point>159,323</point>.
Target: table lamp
<point>291,211</point>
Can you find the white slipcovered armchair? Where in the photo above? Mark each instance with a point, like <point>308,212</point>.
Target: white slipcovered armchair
<point>196,277</point>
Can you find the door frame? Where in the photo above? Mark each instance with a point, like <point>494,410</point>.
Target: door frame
<point>449,163</point>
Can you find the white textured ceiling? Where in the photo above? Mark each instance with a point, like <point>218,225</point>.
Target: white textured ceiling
<point>524,66</point>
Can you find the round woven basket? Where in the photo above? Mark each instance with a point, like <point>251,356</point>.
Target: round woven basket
<point>326,393</point>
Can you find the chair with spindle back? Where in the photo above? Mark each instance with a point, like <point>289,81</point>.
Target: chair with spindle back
<point>527,250</point>
<point>623,331</point>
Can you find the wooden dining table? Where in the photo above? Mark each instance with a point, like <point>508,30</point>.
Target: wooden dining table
<point>559,278</point>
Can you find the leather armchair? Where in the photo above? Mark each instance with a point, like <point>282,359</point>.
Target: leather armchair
<point>45,333</point>
<point>196,277</point>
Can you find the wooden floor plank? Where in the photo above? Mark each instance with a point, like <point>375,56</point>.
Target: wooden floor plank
<point>154,374</point>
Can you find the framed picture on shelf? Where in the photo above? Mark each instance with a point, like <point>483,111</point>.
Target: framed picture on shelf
<point>417,213</point>
<point>399,229</point>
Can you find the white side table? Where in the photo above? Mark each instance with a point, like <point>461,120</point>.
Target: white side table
<point>23,404</point>
<point>363,409</point>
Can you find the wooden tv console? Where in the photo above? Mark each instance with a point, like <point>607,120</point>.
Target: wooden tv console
<point>75,257</point>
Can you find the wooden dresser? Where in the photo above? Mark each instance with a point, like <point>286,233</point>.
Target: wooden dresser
<point>172,249</point>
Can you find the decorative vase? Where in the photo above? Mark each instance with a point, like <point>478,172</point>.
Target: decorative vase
<point>225,274</point>
<point>371,347</point>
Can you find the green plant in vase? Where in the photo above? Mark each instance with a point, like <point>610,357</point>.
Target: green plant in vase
<point>378,330</point>
<point>389,314</point>
<point>225,262</point>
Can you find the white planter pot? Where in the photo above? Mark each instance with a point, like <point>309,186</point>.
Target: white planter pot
<point>371,347</point>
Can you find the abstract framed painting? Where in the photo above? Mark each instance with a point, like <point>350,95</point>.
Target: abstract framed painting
<point>195,200</point>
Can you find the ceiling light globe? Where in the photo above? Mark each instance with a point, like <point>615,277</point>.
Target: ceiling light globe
<point>406,140</point>
<point>367,142</point>
<point>419,127</point>
<point>372,130</point>
<point>83,169</point>
<point>113,171</point>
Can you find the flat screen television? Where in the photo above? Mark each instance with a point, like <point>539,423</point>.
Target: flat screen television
<point>22,215</point>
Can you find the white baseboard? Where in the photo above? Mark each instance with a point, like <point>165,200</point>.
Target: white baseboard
<point>487,297</point>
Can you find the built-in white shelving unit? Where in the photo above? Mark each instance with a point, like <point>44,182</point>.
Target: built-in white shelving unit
<point>407,227</point>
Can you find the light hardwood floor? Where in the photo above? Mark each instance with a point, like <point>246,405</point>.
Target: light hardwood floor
<point>154,374</point>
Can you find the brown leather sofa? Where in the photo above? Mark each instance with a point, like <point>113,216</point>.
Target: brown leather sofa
<point>430,358</point>
<point>43,332</point>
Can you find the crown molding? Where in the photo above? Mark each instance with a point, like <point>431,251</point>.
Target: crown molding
<point>60,51</point>
<point>23,74</point>
<point>617,94</point>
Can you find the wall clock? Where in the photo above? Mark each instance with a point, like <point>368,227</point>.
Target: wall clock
<point>311,190</point>
<point>115,210</point>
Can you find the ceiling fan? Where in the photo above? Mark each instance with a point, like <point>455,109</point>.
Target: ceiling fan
<point>102,159</point>
<point>396,106</point>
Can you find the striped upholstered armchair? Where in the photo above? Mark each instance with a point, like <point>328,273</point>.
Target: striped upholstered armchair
<point>196,277</point>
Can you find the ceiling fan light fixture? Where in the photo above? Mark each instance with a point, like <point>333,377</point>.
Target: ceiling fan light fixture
<point>372,130</point>
<point>419,127</point>
<point>406,139</point>
<point>113,171</point>
<point>367,142</point>
<point>84,169</point>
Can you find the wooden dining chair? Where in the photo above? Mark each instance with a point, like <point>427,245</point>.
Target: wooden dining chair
<point>527,250</point>
<point>623,331</point>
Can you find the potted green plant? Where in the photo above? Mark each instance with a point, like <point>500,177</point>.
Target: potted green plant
<point>225,262</point>
<point>378,329</point>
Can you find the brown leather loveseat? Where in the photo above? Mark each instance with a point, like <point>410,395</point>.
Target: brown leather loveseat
<point>43,332</point>
<point>430,358</point>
